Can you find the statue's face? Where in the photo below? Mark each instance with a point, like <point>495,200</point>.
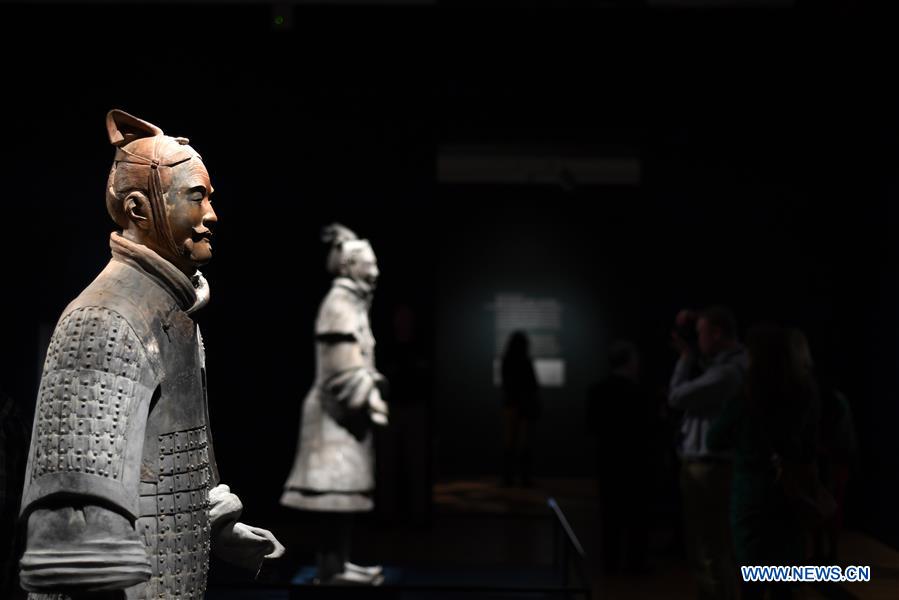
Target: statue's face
<point>190,214</point>
<point>362,266</point>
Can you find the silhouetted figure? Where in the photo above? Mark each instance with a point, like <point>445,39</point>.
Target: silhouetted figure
<point>702,384</point>
<point>837,458</point>
<point>13,449</point>
<point>773,422</point>
<point>620,414</point>
<point>521,407</point>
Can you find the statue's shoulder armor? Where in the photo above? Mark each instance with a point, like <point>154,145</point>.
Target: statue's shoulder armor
<point>96,387</point>
<point>137,299</point>
<point>338,314</point>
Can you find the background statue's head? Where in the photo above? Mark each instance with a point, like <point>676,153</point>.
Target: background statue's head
<point>158,192</point>
<point>351,257</point>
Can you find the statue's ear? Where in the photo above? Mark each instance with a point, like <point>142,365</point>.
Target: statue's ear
<point>137,209</point>
<point>124,128</point>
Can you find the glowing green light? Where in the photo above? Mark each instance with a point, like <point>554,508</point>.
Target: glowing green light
<point>279,20</point>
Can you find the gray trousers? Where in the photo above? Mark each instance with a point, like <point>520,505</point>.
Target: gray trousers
<point>705,489</point>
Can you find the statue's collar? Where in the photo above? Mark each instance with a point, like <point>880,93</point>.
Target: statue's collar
<point>191,293</point>
<point>353,287</point>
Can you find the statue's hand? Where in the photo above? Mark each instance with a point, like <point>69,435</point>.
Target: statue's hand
<point>382,384</point>
<point>246,546</point>
<point>223,506</point>
<point>277,548</point>
<point>235,542</point>
<point>377,408</point>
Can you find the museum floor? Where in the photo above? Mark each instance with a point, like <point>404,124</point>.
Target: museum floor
<point>491,541</point>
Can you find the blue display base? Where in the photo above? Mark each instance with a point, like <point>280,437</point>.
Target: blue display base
<point>486,576</point>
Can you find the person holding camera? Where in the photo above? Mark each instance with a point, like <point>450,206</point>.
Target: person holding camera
<point>708,374</point>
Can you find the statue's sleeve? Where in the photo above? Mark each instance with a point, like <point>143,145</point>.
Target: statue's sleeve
<point>347,379</point>
<point>83,474</point>
<point>338,319</point>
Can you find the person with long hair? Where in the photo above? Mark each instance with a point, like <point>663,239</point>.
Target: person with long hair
<point>521,407</point>
<point>772,423</point>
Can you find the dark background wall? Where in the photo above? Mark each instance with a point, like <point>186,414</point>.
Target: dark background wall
<point>767,183</point>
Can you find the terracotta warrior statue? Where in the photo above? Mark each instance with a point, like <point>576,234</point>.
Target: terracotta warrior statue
<point>334,468</point>
<point>122,496</point>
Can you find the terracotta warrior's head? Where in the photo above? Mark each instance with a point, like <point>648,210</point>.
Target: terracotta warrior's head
<point>351,257</point>
<point>158,192</point>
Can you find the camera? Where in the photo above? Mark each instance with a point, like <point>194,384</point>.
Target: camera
<point>685,329</point>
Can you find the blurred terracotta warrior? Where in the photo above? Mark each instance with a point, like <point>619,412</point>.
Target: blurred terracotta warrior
<point>334,467</point>
<point>122,490</point>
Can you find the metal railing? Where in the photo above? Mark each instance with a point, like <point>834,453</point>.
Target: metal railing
<point>568,555</point>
